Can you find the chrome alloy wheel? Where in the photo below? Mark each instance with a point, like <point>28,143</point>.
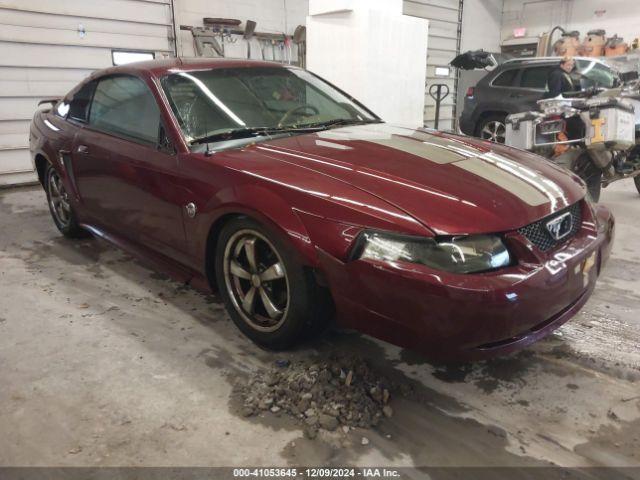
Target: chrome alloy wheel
<point>256,280</point>
<point>59,200</point>
<point>494,131</point>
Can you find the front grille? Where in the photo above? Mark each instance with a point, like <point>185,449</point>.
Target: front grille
<point>538,234</point>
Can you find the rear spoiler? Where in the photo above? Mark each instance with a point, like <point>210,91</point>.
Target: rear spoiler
<point>52,101</point>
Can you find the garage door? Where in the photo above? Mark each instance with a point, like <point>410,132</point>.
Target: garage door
<point>445,17</point>
<point>48,46</point>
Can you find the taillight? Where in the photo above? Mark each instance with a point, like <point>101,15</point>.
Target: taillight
<point>470,92</point>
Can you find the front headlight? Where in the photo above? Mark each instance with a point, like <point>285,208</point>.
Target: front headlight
<point>462,254</point>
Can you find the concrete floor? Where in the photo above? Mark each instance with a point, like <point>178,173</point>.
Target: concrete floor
<point>105,362</point>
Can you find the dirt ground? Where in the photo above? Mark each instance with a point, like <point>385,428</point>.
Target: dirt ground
<point>104,362</point>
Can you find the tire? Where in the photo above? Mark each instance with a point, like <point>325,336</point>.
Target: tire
<point>492,128</point>
<point>60,208</point>
<point>636,180</point>
<point>286,303</point>
<point>590,174</point>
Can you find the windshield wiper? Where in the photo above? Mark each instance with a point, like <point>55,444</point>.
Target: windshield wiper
<point>247,132</point>
<point>339,122</point>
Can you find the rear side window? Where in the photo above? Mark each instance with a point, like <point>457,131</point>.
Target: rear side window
<point>124,106</point>
<point>505,79</point>
<point>79,106</point>
<point>535,77</point>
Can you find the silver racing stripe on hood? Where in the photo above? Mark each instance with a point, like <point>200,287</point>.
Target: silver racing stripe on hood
<point>512,176</point>
<point>427,150</point>
<point>517,179</point>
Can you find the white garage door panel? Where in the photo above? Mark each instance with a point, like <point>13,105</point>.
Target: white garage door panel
<point>14,126</point>
<point>446,114</point>
<point>18,178</point>
<point>442,11</point>
<point>64,22</point>
<point>17,108</point>
<point>448,30</point>
<point>129,10</point>
<point>56,56</point>
<point>39,82</point>
<point>21,74</point>
<point>12,140</point>
<point>43,88</point>
<point>14,161</point>
<point>49,46</point>
<point>41,35</point>
<point>444,18</point>
<point>441,43</point>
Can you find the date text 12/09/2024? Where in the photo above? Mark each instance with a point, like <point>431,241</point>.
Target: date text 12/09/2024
<point>317,472</point>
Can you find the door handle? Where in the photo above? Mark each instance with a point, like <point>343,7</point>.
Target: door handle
<point>83,149</point>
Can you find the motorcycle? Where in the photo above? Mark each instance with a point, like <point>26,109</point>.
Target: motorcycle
<point>594,133</point>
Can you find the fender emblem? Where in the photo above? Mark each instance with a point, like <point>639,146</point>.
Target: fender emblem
<point>191,209</point>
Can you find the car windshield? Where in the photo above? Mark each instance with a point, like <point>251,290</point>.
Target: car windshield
<point>219,104</point>
<point>595,74</point>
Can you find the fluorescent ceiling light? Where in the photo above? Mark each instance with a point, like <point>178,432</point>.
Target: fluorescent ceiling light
<point>122,58</point>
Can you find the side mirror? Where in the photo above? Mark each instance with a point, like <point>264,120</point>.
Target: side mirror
<point>164,142</point>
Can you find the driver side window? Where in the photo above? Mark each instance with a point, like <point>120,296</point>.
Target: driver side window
<point>125,107</point>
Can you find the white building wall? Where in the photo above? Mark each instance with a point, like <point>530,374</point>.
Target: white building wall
<point>614,16</point>
<point>373,52</point>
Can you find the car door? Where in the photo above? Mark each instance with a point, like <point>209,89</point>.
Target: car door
<point>530,87</point>
<point>126,168</point>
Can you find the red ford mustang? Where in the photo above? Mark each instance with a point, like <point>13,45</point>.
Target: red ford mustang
<point>298,205</point>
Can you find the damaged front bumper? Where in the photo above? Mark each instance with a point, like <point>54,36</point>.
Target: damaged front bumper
<point>453,317</point>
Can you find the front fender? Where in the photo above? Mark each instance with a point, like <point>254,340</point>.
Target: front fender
<point>263,205</point>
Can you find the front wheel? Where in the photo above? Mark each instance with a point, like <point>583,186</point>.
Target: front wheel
<point>590,174</point>
<point>269,295</point>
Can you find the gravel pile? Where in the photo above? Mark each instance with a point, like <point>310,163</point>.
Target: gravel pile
<point>339,392</point>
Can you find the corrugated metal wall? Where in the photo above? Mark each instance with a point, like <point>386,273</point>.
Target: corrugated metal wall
<point>44,53</point>
<point>444,36</point>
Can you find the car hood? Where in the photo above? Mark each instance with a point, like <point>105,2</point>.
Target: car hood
<point>452,184</point>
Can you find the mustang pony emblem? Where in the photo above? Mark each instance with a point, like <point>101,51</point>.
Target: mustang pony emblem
<point>560,226</point>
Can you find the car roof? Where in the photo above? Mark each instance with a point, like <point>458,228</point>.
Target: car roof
<point>534,60</point>
<point>165,66</point>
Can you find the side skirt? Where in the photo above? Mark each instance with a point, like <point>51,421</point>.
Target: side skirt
<point>155,261</point>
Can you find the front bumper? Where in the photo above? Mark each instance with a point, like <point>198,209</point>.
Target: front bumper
<point>454,317</point>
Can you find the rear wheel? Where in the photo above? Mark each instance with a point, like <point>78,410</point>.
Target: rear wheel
<point>590,174</point>
<point>269,295</point>
<point>59,205</point>
<point>493,128</point>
